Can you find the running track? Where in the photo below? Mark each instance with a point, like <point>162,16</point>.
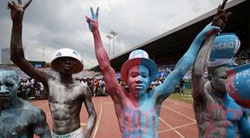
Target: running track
<point>176,119</point>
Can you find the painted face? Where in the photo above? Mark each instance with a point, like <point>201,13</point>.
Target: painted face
<point>67,65</point>
<point>138,79</point>
<point>8,85</point>
<point>219,79</point>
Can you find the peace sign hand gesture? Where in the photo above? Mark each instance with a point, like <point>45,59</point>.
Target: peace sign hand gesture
<point>93,22</point>
<point>17,10</point>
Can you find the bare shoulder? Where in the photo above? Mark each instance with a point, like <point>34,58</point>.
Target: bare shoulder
<point>85,90</point>
<point>32,110</point>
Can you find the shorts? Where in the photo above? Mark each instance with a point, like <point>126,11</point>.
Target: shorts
<point>75,134</point>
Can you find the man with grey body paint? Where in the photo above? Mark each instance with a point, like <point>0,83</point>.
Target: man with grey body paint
<point>66,95</point>
<point>18,118</point>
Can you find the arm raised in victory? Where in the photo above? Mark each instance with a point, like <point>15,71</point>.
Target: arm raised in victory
<point>17,54</point>
<point>111,82</point>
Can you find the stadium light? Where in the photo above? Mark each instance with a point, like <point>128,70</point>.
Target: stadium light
<point>109,37</point>
<point>43,54</point>
<point>113,33</point>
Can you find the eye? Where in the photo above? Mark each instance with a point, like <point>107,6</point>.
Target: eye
<point>9,84</point>
<point>74,62</point>
<point>133,75</point>
<point>224,77</point>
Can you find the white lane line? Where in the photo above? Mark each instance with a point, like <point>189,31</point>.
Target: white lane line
<point>171,128</point>
<point>48,115</point>
<point>181,105</point>
<point>99,120</point>
<point>43,105</point>
<point>179,113</point>
<point>108,103</point>
<point>189,124</point>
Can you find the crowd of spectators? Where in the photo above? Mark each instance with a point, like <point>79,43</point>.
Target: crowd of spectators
<point>31,89</point>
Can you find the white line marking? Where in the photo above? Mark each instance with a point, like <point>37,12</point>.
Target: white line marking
<point>179,113</point>
<point>177,127</point>
<point>49,116</point>
<point>181,105</point>
<point>171,128</point>
<point>99,120</point>
<point>108,103</point>
<point>43,105</point>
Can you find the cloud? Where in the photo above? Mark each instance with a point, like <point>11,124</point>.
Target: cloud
<point>50,25</point>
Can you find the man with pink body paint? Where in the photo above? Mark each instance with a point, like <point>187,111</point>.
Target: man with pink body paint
<point>137,109</point>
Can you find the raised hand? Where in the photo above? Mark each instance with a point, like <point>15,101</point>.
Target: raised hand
<point>93,22</point>
<point>221,17</point>
<point>17,10</point>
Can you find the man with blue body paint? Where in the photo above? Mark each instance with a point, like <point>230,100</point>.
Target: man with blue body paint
<point>18,118</point>
<point>137,109</point>
<point>217,114</point>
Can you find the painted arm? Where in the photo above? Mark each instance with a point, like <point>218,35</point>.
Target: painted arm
<point>200,65</point>
<point>91,111</point>
<point>244,125</point>
<point>184,64</point>
<point>41,127</point>
<point>199,68</point>
<point>16,46</point>
<point>188,59</point>
<point>111,82</point>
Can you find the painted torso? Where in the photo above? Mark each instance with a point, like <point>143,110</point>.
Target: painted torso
<point>138,118</point>
<point>65,104</point>
<point>16,121</point>
<point>217,117</point>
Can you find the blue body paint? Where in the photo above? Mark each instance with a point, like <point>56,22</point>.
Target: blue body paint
<point>142,121</point>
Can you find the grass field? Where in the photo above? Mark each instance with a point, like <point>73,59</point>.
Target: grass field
<point>187,97</point>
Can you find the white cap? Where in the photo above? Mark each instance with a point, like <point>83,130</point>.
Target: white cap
<point>66,52</point>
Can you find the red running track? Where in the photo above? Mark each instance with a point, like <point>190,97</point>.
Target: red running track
<point>176,120</point>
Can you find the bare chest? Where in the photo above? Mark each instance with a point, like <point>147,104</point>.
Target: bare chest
<point>15,124</point>
<point>141,119</point>
<point>59,93</point>
<point>220,114</point>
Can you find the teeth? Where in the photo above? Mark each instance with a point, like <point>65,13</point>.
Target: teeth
<point>138,86</point>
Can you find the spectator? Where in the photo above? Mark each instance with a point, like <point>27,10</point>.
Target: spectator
<point>182,87</point>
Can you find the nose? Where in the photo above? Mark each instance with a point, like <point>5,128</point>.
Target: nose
<point>66,61</point>
<point>3,90</point>
<point>139,79</point>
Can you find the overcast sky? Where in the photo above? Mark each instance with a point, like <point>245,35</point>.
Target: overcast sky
<point>54,24</point>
